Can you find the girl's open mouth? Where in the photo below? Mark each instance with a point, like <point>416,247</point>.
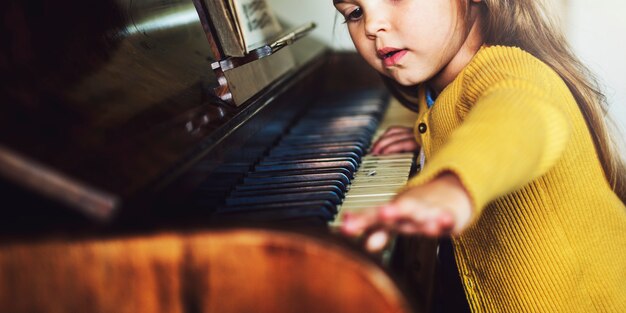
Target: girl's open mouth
<point>391,56</point>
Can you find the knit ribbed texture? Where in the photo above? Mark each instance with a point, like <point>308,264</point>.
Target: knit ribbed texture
<point>547,234</point>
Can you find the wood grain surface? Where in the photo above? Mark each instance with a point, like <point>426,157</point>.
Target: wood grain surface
<point>220,271</point>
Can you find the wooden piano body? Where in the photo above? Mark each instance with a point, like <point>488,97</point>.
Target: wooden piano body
<point>212,271</point>
<point>109,123</point>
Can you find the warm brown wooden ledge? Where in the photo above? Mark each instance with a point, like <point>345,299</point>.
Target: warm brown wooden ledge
<point>217,271</point>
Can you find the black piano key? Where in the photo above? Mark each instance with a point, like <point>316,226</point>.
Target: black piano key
<point>345,125</point>
<point>295,213</point>
<point>356,134</point>
<point>305,166</point>
<point>298,178</point>
<point>311,196</point>
<point>308,150</point>
<point>347,155</point>
<point>277,191</point>
<point>374,108</point>
<point>302,145</point>
<point>320,139</point>
<point>270,162</point>
<point>341,126</point>
<point>340,122</point>
<point>326,205</point>
<point>330,131</point>
<point>313,183</point>
<point>337,117</point>
<point>362,145</point>
<point>297,172</point>
<point>316,129</point>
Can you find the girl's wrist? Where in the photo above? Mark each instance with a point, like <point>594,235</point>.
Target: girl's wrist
<point>460,199</point>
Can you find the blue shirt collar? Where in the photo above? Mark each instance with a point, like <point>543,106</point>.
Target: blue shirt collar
<point>430,97</point>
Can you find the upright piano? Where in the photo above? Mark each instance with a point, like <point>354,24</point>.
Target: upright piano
<point>117,122</point>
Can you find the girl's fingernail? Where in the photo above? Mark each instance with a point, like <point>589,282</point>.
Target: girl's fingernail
<point>431,229</point>
<point>446,219</point>
<point>377,241</point>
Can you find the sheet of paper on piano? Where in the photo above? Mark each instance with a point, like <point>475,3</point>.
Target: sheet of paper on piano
<point>242,25</point>
<point>256,21</point>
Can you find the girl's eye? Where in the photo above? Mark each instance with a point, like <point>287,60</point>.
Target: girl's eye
<point>354,15</point>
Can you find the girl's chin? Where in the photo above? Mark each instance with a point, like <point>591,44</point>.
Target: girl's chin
<point>399,75</point>
<point>405,81</point>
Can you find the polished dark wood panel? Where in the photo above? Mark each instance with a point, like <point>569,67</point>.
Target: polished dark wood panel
<point>220,271</point>
<point>117,96</point>
<point>109,93</point>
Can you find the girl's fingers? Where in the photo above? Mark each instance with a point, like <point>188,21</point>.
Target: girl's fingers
<point>377,240</point>
<point>356,223</point>
<point>409,228</point>
<point>404,211</point>
<point>407,214</point>
<point>397,129</point>
<point>391,136</point>
<point>387,141</point>
<point>432,229</point>
<point>446,221</point>
<point>416,218</point>
<point>406,145</point>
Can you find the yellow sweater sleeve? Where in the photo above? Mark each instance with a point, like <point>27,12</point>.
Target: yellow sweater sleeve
<point>513,133</point>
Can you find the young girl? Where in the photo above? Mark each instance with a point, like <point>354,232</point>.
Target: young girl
<point>517,163</point>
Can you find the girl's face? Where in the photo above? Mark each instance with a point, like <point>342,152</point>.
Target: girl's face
<point>413,41</point>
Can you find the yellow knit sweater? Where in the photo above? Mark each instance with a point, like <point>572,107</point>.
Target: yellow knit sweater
<point>548,234</point>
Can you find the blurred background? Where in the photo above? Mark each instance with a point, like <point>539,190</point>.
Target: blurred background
<point>595,29</point>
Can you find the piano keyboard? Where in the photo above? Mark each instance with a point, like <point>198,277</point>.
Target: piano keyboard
<point>379,178</point>
<point>319,169</point>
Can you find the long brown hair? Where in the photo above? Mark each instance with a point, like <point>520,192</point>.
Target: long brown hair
<point>528,24</point>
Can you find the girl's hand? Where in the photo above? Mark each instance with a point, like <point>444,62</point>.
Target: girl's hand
<point>437,208</point>
<point>395,139</point>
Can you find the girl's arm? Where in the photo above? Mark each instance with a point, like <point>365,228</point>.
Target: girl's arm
<point>513,134</point>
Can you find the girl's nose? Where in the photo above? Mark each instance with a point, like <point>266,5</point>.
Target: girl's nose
<point>375,23</point>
